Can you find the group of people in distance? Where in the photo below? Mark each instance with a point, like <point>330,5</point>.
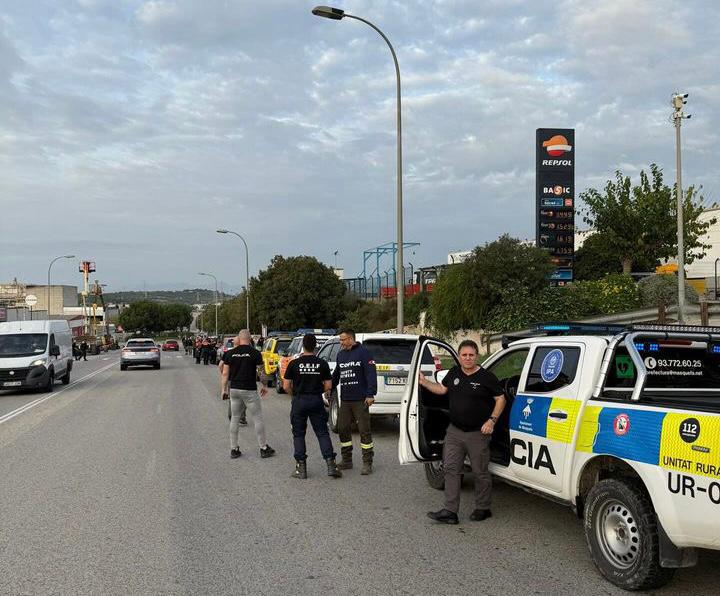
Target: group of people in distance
<point>475,401</point>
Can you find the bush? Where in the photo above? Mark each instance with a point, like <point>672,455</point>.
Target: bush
<point>656,290</point>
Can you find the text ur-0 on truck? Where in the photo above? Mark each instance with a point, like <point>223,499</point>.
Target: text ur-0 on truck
<point>622,424</point>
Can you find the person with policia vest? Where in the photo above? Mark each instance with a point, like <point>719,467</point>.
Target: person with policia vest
<point>307,378</point>
<point>356,376</point>
<point>476,401</point>
<point>241,366</point>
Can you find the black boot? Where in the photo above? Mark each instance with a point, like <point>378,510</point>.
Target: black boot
<point>346,463</point>
<point>300,470</point>
<point>333,470</point>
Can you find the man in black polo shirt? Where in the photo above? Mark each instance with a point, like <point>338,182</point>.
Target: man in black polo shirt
<point>476,402</point>
<point>241,365</point>
<point>308,377</point>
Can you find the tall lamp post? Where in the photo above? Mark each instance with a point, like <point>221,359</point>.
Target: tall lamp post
<point>48,286</point>
<point>247,274</point>
<point>215,278</point>
<point>678,101</point>
<point>336,14</point>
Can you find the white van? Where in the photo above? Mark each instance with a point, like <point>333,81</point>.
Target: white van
<point>35,353</point>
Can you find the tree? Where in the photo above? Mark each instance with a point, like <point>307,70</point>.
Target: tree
<point>145,316</point>
<point>175,316</point>
<point>466,293</point>
<point>595,259</point>
<point>297,292</point>
<point>640,222</point>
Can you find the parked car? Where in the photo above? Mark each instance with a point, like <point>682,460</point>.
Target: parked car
<point>392,353</point>
<point>140,351</point>
<point>227,344</point>
<point>171,345</point>
<point>290,353</point>
<point>271,354</point>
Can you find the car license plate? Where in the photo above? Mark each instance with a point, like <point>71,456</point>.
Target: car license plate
<point>12,383</point>
<point>395,380</point>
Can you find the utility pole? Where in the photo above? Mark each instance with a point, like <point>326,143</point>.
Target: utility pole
<point>678,101</point>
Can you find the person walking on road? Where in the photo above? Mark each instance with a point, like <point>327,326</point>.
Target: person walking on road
<point>206,347</point>
<point>356,376</point>
<point>307,378</point>
<point>241,365</point>
<point>83,349</point>
<point>476,401</point>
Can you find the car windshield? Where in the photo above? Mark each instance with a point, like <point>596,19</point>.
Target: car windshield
<point>140,343</point>
<point>22,344</point>
<point>281,345</point>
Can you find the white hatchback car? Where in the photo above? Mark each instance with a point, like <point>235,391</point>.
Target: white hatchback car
<point>393,354</point>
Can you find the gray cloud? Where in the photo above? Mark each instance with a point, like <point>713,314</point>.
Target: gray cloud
<point>131,131</point>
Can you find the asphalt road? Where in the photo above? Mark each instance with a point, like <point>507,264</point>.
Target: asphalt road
<point>121,483</point>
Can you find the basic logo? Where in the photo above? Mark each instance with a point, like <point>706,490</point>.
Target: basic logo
<point>556,190</point>
<point>621,426</point>
<point>557,146</point>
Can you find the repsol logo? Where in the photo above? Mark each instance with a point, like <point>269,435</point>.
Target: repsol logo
<point>530,455</point>
<point>557,162</point>
<point>348,364</point>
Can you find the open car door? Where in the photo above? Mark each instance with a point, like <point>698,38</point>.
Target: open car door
<point>424,416</point>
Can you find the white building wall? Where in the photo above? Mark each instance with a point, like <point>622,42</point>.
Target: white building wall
<point>704,268</point>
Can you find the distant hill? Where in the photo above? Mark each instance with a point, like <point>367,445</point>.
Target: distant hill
<point>196,296</point>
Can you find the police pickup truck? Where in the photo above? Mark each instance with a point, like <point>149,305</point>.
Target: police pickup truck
<point>620,423</point>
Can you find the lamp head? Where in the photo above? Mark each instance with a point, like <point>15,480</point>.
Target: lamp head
<point>221,231</point>
<point>328,12</point>
<point>68,256</point>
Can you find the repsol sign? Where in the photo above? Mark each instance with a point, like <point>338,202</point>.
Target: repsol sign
<point>527,453</point>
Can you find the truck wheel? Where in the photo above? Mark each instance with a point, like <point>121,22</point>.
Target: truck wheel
<point>278,383</point>
<point>333,414</point>
<point>66,377</point>
<point>50,385</point>
<point>435,475</point>
<point>622,535</point>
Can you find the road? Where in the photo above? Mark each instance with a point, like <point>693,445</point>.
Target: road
<point>121,483</point>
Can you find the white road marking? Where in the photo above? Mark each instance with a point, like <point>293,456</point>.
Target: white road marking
<point>38,401</point>
<point>107,358</point>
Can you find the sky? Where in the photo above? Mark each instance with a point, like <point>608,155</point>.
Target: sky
<point>131,130</point>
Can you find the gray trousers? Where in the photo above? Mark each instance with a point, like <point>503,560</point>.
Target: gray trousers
<point>240,400</point>
<point>477,446</point>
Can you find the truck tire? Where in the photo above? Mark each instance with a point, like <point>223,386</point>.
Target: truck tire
<point>50,385</point>
<point>333,413</point>
<point>278,383</point>
<point>622,535</point>
<point>435,475</point>
<point>66,377</point>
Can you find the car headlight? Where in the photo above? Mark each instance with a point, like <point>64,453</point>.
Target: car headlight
<point>39,362</point>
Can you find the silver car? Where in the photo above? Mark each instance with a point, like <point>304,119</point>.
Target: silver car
<point>140,351</point>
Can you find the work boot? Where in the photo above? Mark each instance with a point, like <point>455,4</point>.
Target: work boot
<point>366,468</point>
<point>480,514</point>
<point>267,451</point>
<point>300,470</point>
<point>235,453</point>
<point>346,463</point>
<point>333,470</point>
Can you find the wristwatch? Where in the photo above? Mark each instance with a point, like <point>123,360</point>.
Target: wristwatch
<point>493,418</point>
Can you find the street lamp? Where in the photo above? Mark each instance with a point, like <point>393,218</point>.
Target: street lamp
<point>48,286</point>
<point>678,101</point>
<point>336,14</point>
<point>247,274</point>
<point>215,278</point>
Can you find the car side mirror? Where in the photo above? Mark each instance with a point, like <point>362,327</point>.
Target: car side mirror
<point>55,350</point>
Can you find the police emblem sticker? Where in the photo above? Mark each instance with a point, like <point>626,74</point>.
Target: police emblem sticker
<point>551,366</point>
<point>690,430</point>
<point>456,381</point>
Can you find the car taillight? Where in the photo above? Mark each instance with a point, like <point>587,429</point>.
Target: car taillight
<point>155,350</point>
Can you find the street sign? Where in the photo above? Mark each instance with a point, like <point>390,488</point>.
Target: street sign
<point>30,300</point>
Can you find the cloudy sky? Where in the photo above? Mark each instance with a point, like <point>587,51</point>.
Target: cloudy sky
<point>130,130</point>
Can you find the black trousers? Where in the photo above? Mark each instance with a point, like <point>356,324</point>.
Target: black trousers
<point>360,412</point>
<point>312,407</point>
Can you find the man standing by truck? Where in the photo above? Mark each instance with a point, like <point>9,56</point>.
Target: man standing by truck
<point>356,376</point>
<point>476,401</point>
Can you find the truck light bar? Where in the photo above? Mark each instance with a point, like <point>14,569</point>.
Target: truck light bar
<point>674,328</point>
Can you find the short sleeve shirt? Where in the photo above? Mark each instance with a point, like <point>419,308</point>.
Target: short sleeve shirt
<point>471,397</point>
<point>243,362</point>
<point>307,374</point>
